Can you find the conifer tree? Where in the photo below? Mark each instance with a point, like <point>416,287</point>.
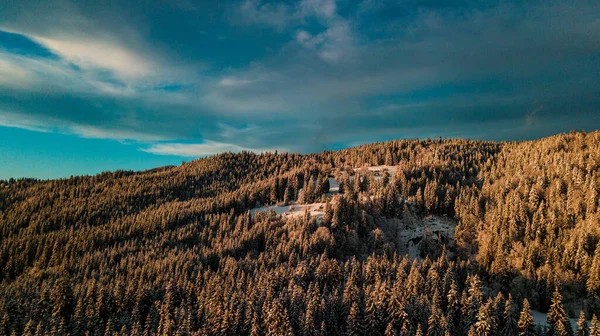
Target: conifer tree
<point>453,310</point>
<point>62,299</point>
<point>356,324</point>
<point>257,326</point>
<point>511,318</point>
<point>287,195</point>
<point>277,320</point>
<point>108,331</point>
<point>473,301</point>
<point>485,324</point>
<point>582,326</point>
<point>436,323</point>
<point>526,324</point>
<point>274,192</point>
<point>419,331</point>
<point>39,330</point>
<point>557,318</point>
<point>29,329</point>
<point>593,282</point>
<point>595,326</point>
<point>390,330</point>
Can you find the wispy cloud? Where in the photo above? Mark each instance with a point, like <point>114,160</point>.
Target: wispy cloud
<point>13,75</point>
<point>325,9</point>
<point>91,132</point>
<point>93,55</point>
<point>8,119</point>
<point>234,81</point>
<point>47,124</point>
<point>277,16</point>
<point>206,148</point>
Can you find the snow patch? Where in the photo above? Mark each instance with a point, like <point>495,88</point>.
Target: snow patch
<point>380,169</point>
<point>334,186</point>
<point>293,210</point>
<point>410,237</point>
<point>540,320</point>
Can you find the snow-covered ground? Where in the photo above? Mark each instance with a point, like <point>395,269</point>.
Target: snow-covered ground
<point>380,169</point>
<point>540,319</point>
<point>293,210</point>
<point>414,228</point>
<point>334,186</point>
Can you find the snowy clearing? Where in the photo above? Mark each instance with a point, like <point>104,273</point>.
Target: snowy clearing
<point>437,228</point>
<point>380,169</point>
<point>540,319</point>
<point>334,186</point>
<point>293,210</point>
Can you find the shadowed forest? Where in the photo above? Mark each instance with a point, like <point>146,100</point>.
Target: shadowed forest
<point>180,251</point>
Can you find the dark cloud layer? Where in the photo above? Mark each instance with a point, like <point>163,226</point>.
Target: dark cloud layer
<point>302,76</point>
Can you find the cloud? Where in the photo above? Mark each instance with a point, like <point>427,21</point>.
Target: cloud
<point>91,54</point>
<point>91,132</point>
<point>234,81</point>
<point>335,43</point>
<point>282,15</point>
<point>303,37</point>
<point>435,48</point>
<point>23,121</point>
<point>331,43</point>
<point>206,148</point>
<point>13,75</point>
<point>48,124</point>
<point>322,73</point>
<point>321,8</point>
<point>277,16</point>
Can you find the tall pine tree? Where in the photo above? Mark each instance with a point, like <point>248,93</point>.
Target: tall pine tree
<point>526,324</point>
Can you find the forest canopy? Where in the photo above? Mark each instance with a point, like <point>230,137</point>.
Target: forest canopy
<point>183,250</point>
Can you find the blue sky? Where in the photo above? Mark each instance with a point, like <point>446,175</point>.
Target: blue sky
<point>87,86</point>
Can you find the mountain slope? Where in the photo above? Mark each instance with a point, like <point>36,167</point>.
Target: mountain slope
<point>179,250</point>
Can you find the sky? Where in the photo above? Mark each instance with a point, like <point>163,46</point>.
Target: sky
<point>90,86</point>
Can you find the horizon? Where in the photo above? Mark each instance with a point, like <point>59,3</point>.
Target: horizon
<point>87,88</point>
<point>176,164</point>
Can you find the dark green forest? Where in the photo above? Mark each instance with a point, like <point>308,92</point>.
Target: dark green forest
<point>178,251</point>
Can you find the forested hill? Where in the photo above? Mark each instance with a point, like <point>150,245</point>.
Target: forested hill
<point>436,237</point>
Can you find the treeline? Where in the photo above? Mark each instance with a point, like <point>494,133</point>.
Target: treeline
<point>176,251</point>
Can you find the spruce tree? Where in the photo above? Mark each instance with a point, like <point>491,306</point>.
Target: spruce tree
<point>485,324</point>
<point>511,318</point>
<point>29,329</point>
<point>593,282</point>
<point>277,321</point>
<point>419,331</point>
<point>526,324</point>
<point>558,321</point>
<point>595,326</point>
<point>257,327</point>
<point>453,310</point>
<point>356,324</point>
<point>473,302</point>
<point>62,300</point>
<point>390,330</point>
<point>287,195</point>
<point>39,330</point>
<point>582,327</point>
